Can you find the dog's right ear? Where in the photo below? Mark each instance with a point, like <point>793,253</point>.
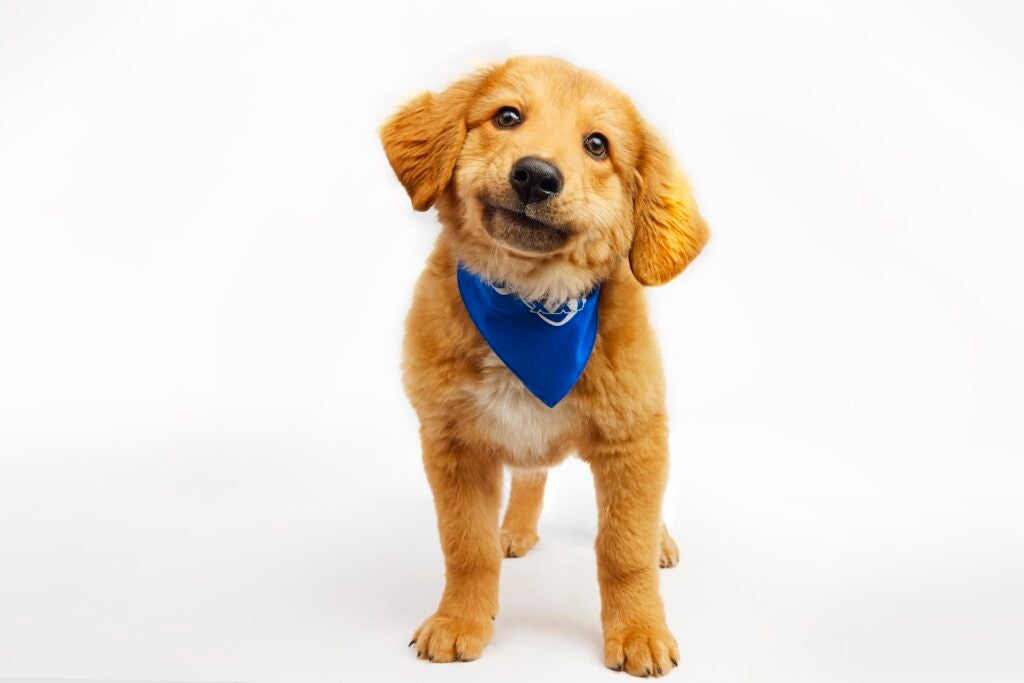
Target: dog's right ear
<point>424,138</point>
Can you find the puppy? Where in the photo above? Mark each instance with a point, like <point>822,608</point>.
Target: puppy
<point>528,338</point>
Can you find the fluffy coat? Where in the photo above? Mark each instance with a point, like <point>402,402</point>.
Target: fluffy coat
<point>631,221</point>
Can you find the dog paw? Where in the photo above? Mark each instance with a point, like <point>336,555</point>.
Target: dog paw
<point>668,556</point>
<point>641,651</point>
<point>450,639</point>
<point>516,543</point>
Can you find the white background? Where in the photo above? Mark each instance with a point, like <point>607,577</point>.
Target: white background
<point>208,471</point>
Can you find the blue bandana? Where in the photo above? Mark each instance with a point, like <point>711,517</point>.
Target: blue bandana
<point>545,346</point>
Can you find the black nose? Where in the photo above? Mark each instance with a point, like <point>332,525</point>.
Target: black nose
<point>535,180</point>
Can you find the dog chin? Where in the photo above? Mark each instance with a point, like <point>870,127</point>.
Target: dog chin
<point>529,275</point>
<point>520,234</point>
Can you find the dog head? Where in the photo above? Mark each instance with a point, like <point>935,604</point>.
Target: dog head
<point>545,177</point>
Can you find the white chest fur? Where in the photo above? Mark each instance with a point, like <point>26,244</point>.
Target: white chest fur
<point>514,418</point>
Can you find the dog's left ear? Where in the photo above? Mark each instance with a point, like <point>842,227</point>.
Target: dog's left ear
<point>668,230</point>
<point>422,141</point>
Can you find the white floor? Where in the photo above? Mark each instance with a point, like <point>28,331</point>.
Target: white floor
<point>266,564</point>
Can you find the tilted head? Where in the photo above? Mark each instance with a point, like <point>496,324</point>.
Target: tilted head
<point>545,177</point>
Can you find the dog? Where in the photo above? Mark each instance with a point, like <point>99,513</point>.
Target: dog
<point>556,200</point>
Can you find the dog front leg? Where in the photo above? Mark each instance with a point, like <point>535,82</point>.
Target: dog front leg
<point>467,496</point>
<point>630,481</point>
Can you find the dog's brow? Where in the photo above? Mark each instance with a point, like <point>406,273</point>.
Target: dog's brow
<point>488,104</point>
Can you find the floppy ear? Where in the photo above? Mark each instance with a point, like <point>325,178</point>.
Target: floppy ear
<point>668,230</point>
<point>422,141</point>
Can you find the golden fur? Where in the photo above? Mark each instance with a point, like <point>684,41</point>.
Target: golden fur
<point>631,221</point>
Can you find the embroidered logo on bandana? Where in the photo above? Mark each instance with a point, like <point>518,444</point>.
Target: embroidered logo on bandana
<point>545,345</point>
<point>551,313</point>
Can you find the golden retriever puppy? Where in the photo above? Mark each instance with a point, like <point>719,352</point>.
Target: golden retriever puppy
<point>558,203</point>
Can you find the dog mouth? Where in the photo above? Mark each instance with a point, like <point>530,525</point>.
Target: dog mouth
<point>521,232</point>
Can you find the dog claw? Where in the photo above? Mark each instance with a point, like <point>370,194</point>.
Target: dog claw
<point>674,661</point>
<point>412,642</point>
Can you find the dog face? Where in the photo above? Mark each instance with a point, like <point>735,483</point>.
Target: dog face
<point>545,177</point>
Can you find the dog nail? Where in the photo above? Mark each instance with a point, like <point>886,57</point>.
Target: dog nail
<point>412,642</point>
<point>674,661</point>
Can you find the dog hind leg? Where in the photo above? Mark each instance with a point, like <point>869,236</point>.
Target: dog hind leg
<point>525,500</point>
<point>668,555</point>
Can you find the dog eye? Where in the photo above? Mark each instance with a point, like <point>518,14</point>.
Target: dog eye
<point>596,145</point>
<point>508,117</point>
